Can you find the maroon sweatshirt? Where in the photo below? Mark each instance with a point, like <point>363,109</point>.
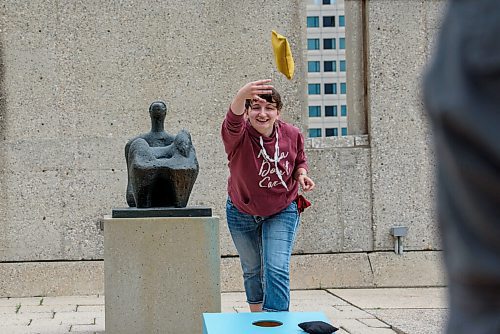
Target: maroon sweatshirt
<point>253,184</point>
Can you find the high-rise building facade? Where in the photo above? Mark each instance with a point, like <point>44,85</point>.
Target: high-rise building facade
<point>326,68</point>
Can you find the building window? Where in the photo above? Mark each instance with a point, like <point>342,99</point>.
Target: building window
<point>312,44</point>
<point>341,21</point>
<point>328,21</point>
<point>312,21</point>
<point>330,111</point>
<point>342,66</point>
<point>330,66</point>
<point>314,111</point>
<point>327,2</point>
<point>331,88</point>
<point>341,43</point>
<point>329,43</point>
<point>314,133</point>
<point>343,88</point>
<point>314,89</point>
<point>343,110</point>
<point>313,66</point>
<point>331,132</point>
<point>344,131</point>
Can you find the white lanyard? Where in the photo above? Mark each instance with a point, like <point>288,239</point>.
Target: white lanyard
<point>276,157</point>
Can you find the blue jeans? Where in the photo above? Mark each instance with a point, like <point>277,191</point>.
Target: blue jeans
<point>264,245</point>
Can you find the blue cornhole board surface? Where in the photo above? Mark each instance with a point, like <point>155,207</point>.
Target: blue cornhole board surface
<point>241,323</point>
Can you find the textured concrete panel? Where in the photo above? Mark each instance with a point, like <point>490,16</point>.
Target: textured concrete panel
<point>158,270</point>
<point>63,221</point>
<point>51,278</point>
<point>324,214</point>
<point>65,203</point>
<point>55,154</point>
<point>310,272</point>
<point>355,199</point>
<point>403,181</point>
<point>434,14</point>
<point>37,156</point>
<point>86,197</point>
<point>231,274</point>
<point>355,54</point>
<point>339,219</point>
<point>30,223</point>
<point>30,70</point>
<point>408,269</point>
<point>330,270</point>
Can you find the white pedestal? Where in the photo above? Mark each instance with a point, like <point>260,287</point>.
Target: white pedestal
<point>161,274</point>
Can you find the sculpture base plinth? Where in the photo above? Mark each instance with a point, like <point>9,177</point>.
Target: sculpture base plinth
<point>189,211</point>
<point>161,274</point>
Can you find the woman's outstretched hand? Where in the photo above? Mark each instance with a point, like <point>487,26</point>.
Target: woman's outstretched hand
<point>250,91</point>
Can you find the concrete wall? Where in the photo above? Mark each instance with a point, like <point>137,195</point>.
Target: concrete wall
<point>76,80</point>
<point>399,43</point>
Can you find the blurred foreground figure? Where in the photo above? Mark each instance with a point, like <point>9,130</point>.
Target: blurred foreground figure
<point>462,95</point>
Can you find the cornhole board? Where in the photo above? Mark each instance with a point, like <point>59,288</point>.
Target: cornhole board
<point>235,323</point>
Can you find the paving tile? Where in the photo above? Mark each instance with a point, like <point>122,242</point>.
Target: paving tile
<point>90,311</point>
<point>374,323</point>
<point>90,308</point>
<point>228,309</point>
<point>46,308</point>
<point>228,299</point>
<point>310,294</point>
<point>47,322</point>
<point>233,296</point>
<point>386,298</point>
<point>321,303</point>
<point>341,331</point>
<point>353,326</point>
<point>22,317</point>
<point>76,318</point>
<point>236,305</point>
<point>100,320</point>
<point>316,296</point>
<point>76,300</point>
<point>414,321</point>
<point>347,312</point>
<point>309,307</point>
<point>241,309</point>
<point>226,304</point>
<point>87,328</point>
<point>48,328</point>
<point>8,309</point>
<point>14,321</point>
<point>21,301</point>
<point>14,329</point>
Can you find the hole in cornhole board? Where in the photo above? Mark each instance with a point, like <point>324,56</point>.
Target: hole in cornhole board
<point>267,323</point>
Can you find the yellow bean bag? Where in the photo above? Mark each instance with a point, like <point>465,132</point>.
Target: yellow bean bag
<point>283,55</point>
